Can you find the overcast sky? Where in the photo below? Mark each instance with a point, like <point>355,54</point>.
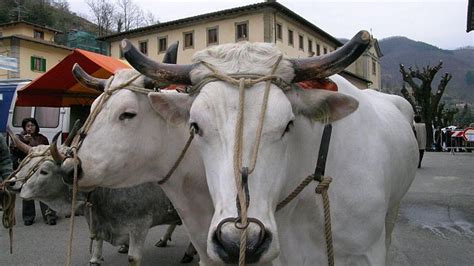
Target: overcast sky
<point>441,23</point>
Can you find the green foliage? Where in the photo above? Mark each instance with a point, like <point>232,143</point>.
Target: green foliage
<point>465,117</point>
<point>469,77</point>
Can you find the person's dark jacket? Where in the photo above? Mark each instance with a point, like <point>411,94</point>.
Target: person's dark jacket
<point>36,139</point>
<point>5,161</point>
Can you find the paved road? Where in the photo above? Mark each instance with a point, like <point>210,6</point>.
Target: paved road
<point>435,226</point>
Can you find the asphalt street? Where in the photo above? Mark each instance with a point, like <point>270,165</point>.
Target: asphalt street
<point>435,226</point>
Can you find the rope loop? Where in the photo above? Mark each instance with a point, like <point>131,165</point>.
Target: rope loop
<point>323,185</point>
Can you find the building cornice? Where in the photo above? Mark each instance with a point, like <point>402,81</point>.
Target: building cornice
<point>38,41</point>
<point>219,14</point>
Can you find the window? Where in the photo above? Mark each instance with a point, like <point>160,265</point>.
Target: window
<point>212,36</point>
<point>37,34</point>
<point>188,40</point>
<point>47,116</point>
<point>318,50</point>
<point>38,64</point>
<point>310,47</point>
<point>241,31</point>
<point>20,113</point>
<point>325,50</point>
<point>143,47</point>
<point>290,37</point>
<point>374,67</point>
<point>279,32</point>
<point>301,42</point>
<point>162,44</point>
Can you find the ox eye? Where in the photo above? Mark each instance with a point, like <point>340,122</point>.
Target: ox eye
<point>288,127</point>
<point>43,172</point>
<point>127,115</point>
<point>196,128</point>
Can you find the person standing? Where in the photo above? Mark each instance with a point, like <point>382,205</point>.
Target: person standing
<point>420,132</point>
<point>5,162</point>
<point>31,136</point>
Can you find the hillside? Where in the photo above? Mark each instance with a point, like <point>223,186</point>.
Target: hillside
<point>459,63</point>
<point>54,14</point>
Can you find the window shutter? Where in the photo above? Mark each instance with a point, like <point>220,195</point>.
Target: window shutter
<point>43,64</point>
<point>32,63</point>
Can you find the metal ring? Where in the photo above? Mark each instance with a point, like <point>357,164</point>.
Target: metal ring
<point>239,225</point>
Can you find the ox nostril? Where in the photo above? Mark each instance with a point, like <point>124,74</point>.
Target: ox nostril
<point>227,240</point>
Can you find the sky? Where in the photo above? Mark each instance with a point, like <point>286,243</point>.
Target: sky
<point>441,23</point>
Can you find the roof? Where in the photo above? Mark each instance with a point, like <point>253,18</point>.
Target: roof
<point>224,13</point>
<point>13,23</point>
<point>57,87</point>
<point>470,16</point>
<point>376,45</point>
<point>36,40</point>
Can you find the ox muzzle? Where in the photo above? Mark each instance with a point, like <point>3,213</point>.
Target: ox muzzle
<point>226,240</point>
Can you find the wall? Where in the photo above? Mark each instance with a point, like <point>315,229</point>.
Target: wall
<point>27,30</point>
<point>52,55</point>
<point>226,34</point>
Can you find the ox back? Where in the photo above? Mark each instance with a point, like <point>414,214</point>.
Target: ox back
<point>115,211</point>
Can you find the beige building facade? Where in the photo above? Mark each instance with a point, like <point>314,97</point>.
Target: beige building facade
<point>263,22</point>
<point>32,46</point>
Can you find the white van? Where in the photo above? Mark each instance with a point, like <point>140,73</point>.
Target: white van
<point>51,120</point>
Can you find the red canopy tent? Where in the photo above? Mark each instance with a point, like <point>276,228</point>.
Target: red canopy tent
<point>58,88</point>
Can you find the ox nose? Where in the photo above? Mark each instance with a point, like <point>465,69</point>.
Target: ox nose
<point>13,185</point>
<point>226,240</point>
<point>67,169</point>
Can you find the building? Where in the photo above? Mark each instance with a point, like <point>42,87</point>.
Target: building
<point>29,48</point>
<point>268,21</point>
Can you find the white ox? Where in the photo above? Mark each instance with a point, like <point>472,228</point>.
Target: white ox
<point>131,142</point>
<point>372,154</point>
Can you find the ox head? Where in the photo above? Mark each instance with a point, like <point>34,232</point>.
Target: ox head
<point>40,178</point>
<point>214,114</point>
<point>123,137</point>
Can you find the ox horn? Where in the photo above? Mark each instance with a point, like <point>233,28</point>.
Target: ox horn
<point>324,66</point>
<point>53,147</point>
<point>73,132</point>
<point>87,80</point>
<point>161,72</point>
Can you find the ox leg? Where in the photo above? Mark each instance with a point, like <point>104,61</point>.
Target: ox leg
<point>167,237</point>
<point>135,248</point>
<point>390,220</point>
<point>97,257</point>
<point>189,254</point>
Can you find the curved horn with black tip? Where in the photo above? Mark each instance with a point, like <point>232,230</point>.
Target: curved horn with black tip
<point>171,57</point>
<point>73,132</point>
<point>324,66</point>
<point>87,80</point>
<point>53,147</point>
<point>158,71</point>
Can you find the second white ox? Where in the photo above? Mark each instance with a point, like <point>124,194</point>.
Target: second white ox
<point>372,154</point>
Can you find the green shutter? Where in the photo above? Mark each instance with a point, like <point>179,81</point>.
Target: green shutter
<point>32,63</point>
<point>43,64</point>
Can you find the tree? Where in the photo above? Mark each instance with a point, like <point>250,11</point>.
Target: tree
<point>129,15</point>
<point>104,13</point>
<point>423,100</point>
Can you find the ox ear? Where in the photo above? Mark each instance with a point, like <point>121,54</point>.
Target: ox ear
<point>322,105</point>
<point>173,107</point>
